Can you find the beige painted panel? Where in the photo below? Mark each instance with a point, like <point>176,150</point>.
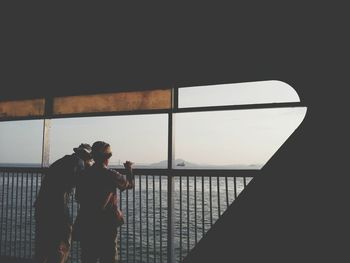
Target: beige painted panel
<point>112,102</point>
<point>22,108</point>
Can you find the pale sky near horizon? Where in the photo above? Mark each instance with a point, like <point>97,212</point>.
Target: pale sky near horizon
<point>240,137</point>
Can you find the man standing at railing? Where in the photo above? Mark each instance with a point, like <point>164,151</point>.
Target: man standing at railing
<point>99,215</point>
<point>53,223</point>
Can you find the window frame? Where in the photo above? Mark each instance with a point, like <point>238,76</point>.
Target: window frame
<point>173,109</point>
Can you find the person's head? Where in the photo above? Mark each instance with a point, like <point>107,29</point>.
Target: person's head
<point>84,152</point>
<point>101,152</point>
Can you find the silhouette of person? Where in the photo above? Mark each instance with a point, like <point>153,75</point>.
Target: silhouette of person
<point>53,223</point>
<point>99,215</point>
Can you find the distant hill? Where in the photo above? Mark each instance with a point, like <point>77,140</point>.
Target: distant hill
<point>164,163</point>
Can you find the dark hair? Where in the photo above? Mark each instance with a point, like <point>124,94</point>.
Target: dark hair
<point>99,153</point>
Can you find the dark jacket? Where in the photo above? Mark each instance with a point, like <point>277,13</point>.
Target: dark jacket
<point>95,186</point>
<point>56,186</point>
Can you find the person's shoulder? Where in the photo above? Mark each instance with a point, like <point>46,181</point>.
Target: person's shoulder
<point>65,163</point>
<point>59,161</point>
<point>73,158</point>
<point>112,173</point>
<point>64,158</point>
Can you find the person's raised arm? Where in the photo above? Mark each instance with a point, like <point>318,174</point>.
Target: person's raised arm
<point>122,181</point>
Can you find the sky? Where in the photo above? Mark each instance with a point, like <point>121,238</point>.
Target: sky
<point>237,94</point>
<point>240,137</point>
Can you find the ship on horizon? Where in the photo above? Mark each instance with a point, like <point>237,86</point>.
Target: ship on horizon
<point>181,164</point>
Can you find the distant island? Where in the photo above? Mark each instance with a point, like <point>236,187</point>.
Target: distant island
<point>183,164</point>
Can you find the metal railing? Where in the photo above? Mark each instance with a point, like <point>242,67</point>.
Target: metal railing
<point>199,198</point>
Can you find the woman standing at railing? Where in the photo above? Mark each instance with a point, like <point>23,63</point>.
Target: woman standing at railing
<point>99,216</point>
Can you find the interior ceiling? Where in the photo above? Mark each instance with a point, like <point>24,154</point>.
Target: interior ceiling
<point>33,78</point>
<point>45,55</point>
<point>28,73</point>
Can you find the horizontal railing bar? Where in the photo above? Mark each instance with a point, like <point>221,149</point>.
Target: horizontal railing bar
<point>197,172</point>
<point>23,169</point>
<point>165,172</point>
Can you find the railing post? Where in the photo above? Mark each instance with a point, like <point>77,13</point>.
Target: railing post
<point>171,246</point>
<point>171,155</point>
<point>46,143</point>
<point>46,132</point>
